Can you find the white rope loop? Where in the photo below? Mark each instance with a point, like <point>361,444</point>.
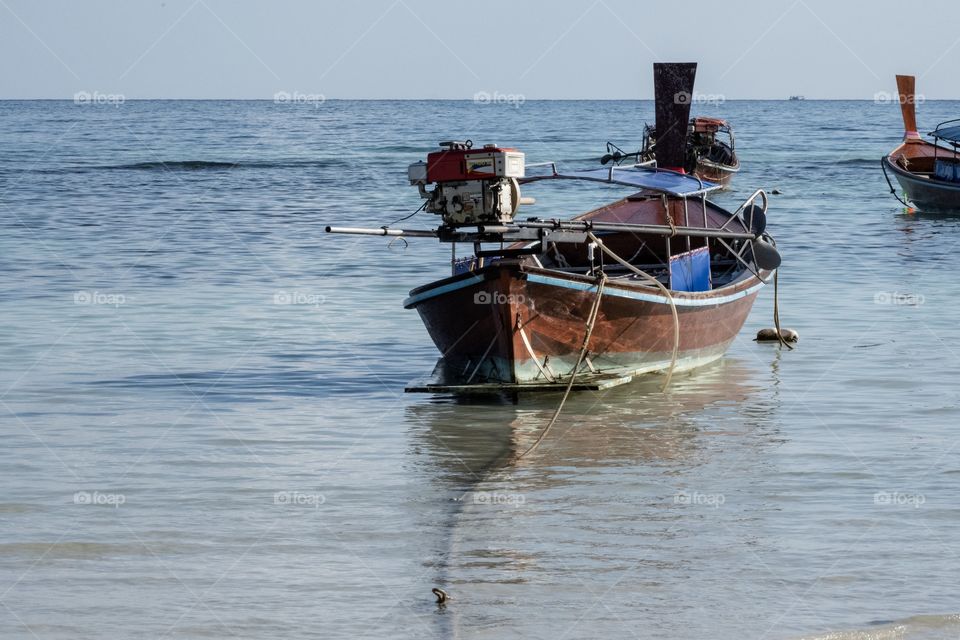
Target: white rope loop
<point>664,290</point>
<point>591,321</point>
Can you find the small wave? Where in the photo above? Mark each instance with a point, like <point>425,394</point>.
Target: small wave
<point>83,550</point>
<point>403,148</point>
<point>178,165</point>
<point>199,165</point>
<point>17,507</point>
<point>923,627</point>
<point>252,386</point>
<point>860,162</point>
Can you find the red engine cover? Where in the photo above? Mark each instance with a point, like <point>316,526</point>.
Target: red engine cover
<point>462,164</point>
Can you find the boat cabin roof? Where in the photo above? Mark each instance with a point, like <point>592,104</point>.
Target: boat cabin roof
<point>949,133</point>
<point>707,125</point>
<point>663,181</point>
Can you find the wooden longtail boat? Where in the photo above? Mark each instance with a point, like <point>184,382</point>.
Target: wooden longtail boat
<point>710,151</point>
<point>521,321</point>
<point>928,173</point>
<point>661,279</point>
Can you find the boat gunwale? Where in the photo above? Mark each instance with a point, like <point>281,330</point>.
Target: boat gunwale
<point>729,168</point>
<point>923,180</point>
<point>916,142</point>
<point>746,281</point>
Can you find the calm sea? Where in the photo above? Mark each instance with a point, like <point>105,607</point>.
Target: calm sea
<point>204,431</point>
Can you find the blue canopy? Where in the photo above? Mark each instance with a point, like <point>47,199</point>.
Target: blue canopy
<point>660,180</point>
<point>951,134</point>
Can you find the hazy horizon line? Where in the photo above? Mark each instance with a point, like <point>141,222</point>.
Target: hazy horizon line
<point>523,99</point>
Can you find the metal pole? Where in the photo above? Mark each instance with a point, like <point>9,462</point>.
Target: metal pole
<point>568,225</point>
<point>383,231</point>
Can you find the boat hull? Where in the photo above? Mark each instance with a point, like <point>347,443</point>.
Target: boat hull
<point>716,173</point>
<point>515,324</point>
<point>934,196</point>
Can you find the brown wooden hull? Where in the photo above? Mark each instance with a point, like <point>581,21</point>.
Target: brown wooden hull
<point>716,173</point>
<point>515,324</point>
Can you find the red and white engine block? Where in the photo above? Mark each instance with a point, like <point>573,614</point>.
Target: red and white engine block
<point>473,186</point>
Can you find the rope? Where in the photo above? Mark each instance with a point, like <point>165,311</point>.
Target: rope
<point>530,351</point>
<point>419,209</point>
<point>664,290</point>
<point>883,165</point>
<point>666,209</point>
<point>591,321</point>
<point>776,310</point>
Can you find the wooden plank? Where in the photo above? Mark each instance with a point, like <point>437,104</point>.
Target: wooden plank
<point>589,384</point>
<point>906,92</point>
<point>440,381</point>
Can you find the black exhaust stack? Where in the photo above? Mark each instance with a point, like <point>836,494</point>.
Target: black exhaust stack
<point>673,92</point>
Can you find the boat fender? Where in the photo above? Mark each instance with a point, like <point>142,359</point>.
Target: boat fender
<point>442,596</point>
<point>770,335</point>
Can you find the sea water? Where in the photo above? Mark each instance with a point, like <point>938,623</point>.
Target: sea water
<point>205,435</point>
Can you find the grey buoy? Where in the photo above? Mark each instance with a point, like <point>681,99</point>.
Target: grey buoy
<point>442,596</point>
<point>770,335</point>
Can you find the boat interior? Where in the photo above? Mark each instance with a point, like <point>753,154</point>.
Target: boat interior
<point>719,152</point>
<point>929,161</point>
<point>680,263</point>
<point>707,139</point>
<point>659,256</point>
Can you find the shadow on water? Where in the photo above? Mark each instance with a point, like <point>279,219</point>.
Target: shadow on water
<point>474,463</point>
<point>950,219</point>
<point>235,386</point>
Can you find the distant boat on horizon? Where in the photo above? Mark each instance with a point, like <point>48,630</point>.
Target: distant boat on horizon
<point>797,98</point>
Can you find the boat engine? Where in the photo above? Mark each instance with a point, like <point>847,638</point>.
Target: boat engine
<point>473,186</point>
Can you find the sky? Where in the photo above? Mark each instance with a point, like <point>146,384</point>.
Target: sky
<point>424,49</point>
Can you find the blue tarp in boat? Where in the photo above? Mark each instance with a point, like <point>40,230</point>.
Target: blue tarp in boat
<point>952,134</point>
<point>669,182</point>
<point>690,271</point>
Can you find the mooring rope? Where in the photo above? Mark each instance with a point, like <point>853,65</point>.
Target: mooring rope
<point>664,290</point>
<point>591,321</point>
<point>776,310</point>
<point>883,165</point>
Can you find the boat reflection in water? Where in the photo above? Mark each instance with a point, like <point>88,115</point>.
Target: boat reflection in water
<point>600,494</point>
